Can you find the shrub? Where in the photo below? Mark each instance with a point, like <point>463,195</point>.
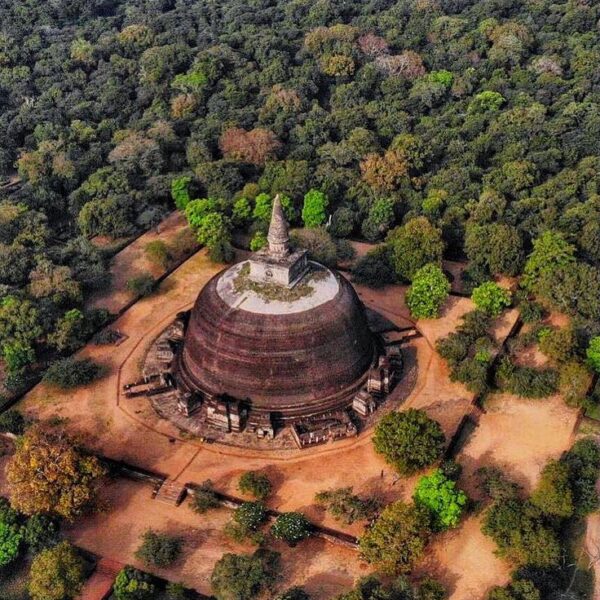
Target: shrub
<point>531,312</point>
<point>41,532</point>
<point>473,372</point>
<point>583,461</point>
<point>409,440</point>
<point>12,421</point>
<point>441,497</point>
<point>557,344</point>
<point>593,354</point>
<point>247,519</point>
<point>518,589</point>
<point>176,591</point>
<point>397,539</point>
<point>158,549</point>
<point>320,245</point>
<point>343,222</point>
<point>11,537</point>
<point>495,485</point>
<point>374,269</point>
<point>244,576</point>
<point>346,506</point>
<point>56,573</point>
<point>258,241</point>
<point>158,253</point>
<point>427,293</point>
<point>291,527</point>
<point>552,494</point>
<point>491,298</point>
<point>133,584</point>
<point>295,593</point>
<point>141,286</point>
<point>313,210</point>
<point>521,534</point>
<point>204,498</point>
<point>71,373</point>
<point>574,381</point>
<point>255,484</point>
<point>527,382</point>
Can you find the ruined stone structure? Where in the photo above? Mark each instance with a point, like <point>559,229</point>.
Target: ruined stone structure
<point>276,341</point>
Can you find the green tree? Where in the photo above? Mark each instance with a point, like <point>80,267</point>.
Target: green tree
<point>70,332</point>
<point>41,532</point>
<point>255,483</point>
<point>397,539</point>
<point>491,298</point>
<point>414,245</point>
<point>205,498</point>
<point>409,440</point>
<point>440,495</point>
<point>158,549</point>
<point>518,589</point>
<point>295,593</point>
<point>313,210</point>
<point>557,344</point>
<point>11,537</point>
<point>552,495</point>
<point>244,576</point>
<point>133,584</point>
<point>592,354</point>
<point>241,212</point>
<point>56,573</point>
<point>551,254</point>
<point>291,527</point>
<point>17,357</point>
<point>180,191</point>
<point>19,321</point>
<point>69,373</point>
<point>427,293</point>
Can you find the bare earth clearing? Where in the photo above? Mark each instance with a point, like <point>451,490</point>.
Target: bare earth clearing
<point>518,435</point>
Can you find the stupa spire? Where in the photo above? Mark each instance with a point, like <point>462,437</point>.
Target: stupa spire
<point>279,235</point>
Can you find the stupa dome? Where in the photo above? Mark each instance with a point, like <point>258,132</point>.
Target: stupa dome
<point>302,352</point>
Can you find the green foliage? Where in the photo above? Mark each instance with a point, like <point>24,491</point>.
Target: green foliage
<point>11,537</point>
<point>345,506</point>
<point>259,240</point>
<point>180,191</point>
<point>397,539</point>
<point>592,354</point>
<point>158,549</point>
<point>56,573</point>
<point>241,212</point>
<point>371,588</point>
<point>255,483</point>
<point>69,373</point>
<point>70,332</point>
<point>291,527</point>
<point>557,344</point>
<point>41,532</point>
<point>17,357</point>
<point>381,217</point>
<point>409,440</point>
<point>247,519</point>
<point>528,382</point>
<point>204,498</point>
<point>491,298</point>
<point>295,593</point>
<point>427,293</point>
<point>374,268</point>
<point>414,245</point>
<point>141,285</point>
<point>518,589</point>
<point>313,209</point>
<point>495,486</point>
<point>439,494</point>
<point>521,534</point>
<point>244,576</point>
<point>583,461</point>
<point>552,494</point>
<point>343,222</point>
<point>12,421</point>
<point>486,101</point>
<point>574,381</point>
<point>158,253</point>
<point>133,584</point>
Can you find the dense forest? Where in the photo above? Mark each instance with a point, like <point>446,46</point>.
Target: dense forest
<point>464,128</point>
